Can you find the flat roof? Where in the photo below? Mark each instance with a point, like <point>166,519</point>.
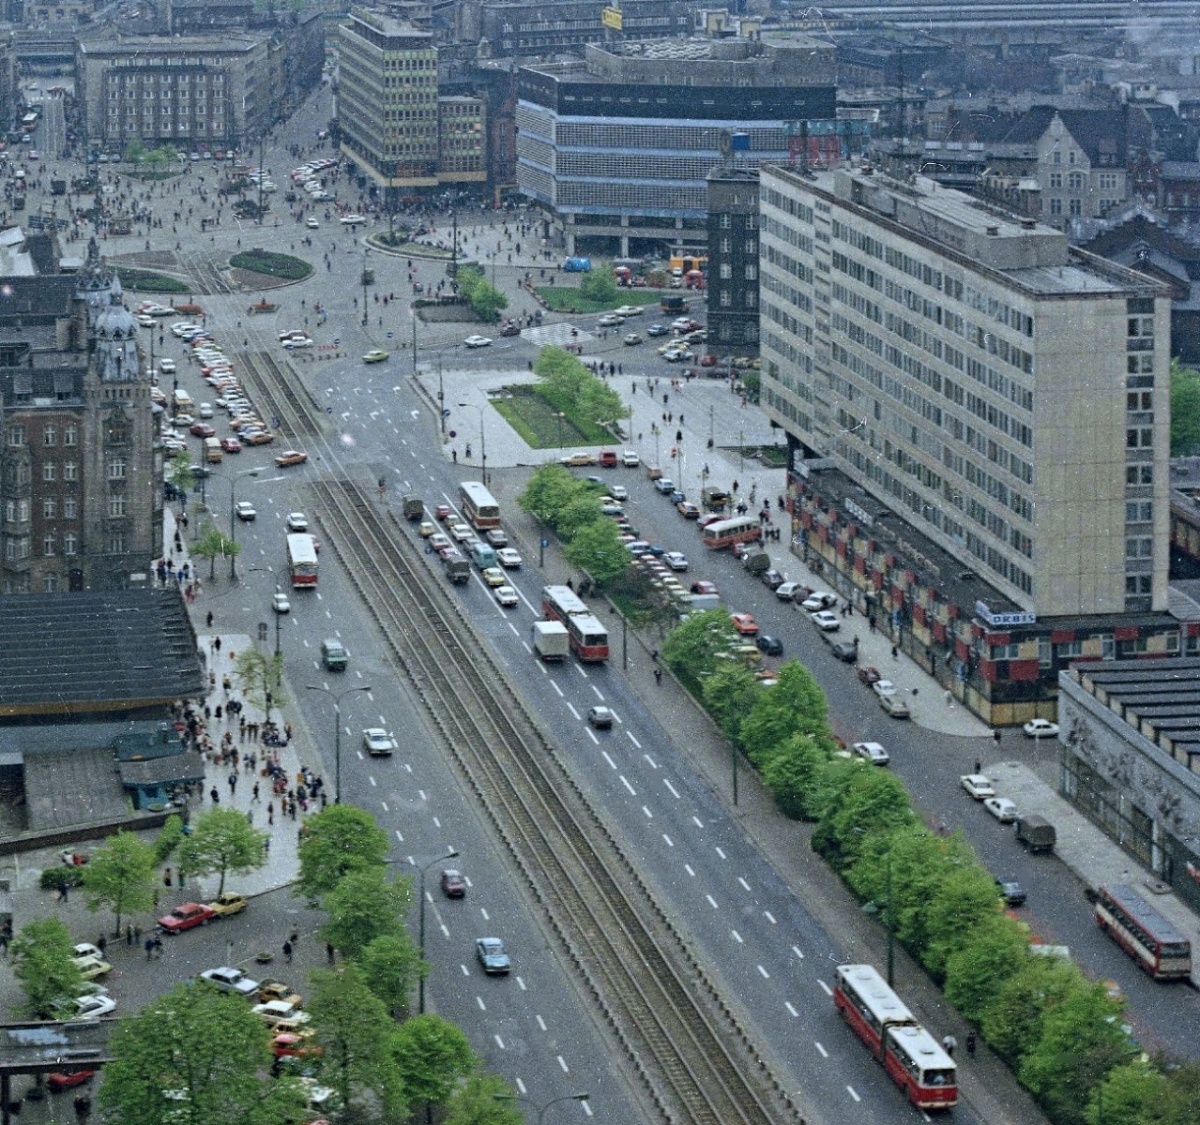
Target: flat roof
<point>1136,689</point>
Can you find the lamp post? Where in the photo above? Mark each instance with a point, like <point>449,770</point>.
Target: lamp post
<point>233,518</point>
<point>541,1110</point>
<point>482,439</point>
<point>337,734</point>
<point>889,913</point>
<point>271,572</point>
<point>421,917</point>
<point>365,275</point>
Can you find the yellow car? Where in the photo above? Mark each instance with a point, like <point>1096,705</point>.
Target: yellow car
<point>376,355</point>
<point>228,905</point>
<point>276,990</point>
<point>494,576</point>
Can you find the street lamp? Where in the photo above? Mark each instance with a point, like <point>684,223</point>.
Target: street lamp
<point>541,1110</point>
<point>889,914</point>
<point>421,916</point>
<point>482,440</point>
<point>337,734</point>
<point>277,613</point>
<point>233,518</point>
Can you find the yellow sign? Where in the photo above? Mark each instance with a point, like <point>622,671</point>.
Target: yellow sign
<point>611,17</point>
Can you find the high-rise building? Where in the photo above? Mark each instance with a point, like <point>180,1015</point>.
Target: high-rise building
<point>1003,394</point>
<point>733,260</point>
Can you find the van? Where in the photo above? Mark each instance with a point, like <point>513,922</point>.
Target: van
<point>334,655</point>
<point>482,555</point>
<point>213,453</point>
<point>1036,833</point>
<point>608,458</point>
<point>182,400</point>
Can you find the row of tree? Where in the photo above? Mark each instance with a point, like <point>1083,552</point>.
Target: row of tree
<point>571,508</point>
<point>1063,1035</point>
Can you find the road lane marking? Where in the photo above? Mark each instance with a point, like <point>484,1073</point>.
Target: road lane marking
<point>697,822</point>
<point>824,1053</point>
<point>721,852</point>
<point>853,1094</point>
<point>609,760</point>
<point>625,782</point>
<point>769,917</point>
<point>670,842</point>
<point>743,882</point>
<point>649,814</point>
<point>541,1022</point>
<point>737,937</point>
<point>828,990</point>
<point>765,974</point>
<point>563,1063</point>
<point>789,1007</point>
<point>674,791</point>
<point>796,951</point>
<point>712,902</point>
<point>639,746</point>
<point>688,868</point>
<point>556,687</point>
<point>571,708</point>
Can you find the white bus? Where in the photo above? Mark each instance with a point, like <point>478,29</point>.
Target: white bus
<point>479,505</point>
<point>740,529</point>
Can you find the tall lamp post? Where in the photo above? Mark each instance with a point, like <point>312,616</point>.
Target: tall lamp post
<point>233,518</point>
<point>337,733</point>
<point>482,439</point>
<point>541,1110</point>
<point>422,868</point>
<point>889,913</point>
<point>271,572</point>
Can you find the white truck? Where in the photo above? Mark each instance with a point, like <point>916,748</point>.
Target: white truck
<point>550,640</point>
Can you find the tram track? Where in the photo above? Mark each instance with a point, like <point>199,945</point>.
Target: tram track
<point>692,1056</point>
<point>274,390</point>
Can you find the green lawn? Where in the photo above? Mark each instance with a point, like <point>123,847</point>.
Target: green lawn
<point>147,281</point>
<point>283,266</point>
<point>568,300</point>
<point>536,419</point>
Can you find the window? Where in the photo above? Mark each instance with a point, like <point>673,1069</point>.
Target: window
<point>1139,474</point>
<point>726,271</point>
<point>71,434</point>
<point>1056,206</point>
<point>16,435</point>
<point>70,508</point>
<point>115,544</point>
<point>70,543</point>
<point>1075,206</point>
<point>1139,437</point>
<point>50,584</point>
<point>49,435</point>
<point>725,221</point>
<point>1139,547</point>
<point>1139,401</point>
<point>49,509</point>
<point>1137,584</point>
<point>1056,180</point>
<point>70,470</point>
<point>751,246</point>
<point>752,272</point>
<point>726,299</point>
<point>49,543</point>
<point>1139,511</point>
<point>116,504</point>
<point>116,468</point>
<point>50,471</point>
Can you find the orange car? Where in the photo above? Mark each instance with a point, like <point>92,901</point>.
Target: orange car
<point>291,457</point>
<point>744,623</point>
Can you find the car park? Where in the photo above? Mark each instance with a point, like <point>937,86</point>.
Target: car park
<point>506,596</point>
<point>93,1007</point>
<point>825,621</point>
<point>883,688</point>
<point>772,646</point>
<point>1040,728</point>
<point>1004,810</point>
<point>378,742</point>
<point>977,785</point>
<point>91,967</point>
<point>186,916</point>
<point>280,603</point>
<point>895,706</point>
<point>228,904</point>
<point>265,438</point>
<point>492,956</point>
<point>744,623</point>
<point>297,522</point>
<point>873,752</point>
<point>245,511</point>
<point>231,445</point>
<point>231,980</point>
<point>291,457</point>
<point>277,1012</point>
<point>618,492</point>
<point>477,342</point>
<point>703,587</point>
<point>508,558</point>
<point>600,717</point>
<point>270,990</point>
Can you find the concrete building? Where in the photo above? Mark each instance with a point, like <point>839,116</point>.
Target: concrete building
<point>81,465</point>
<point>733,260</point>
<point>1002,394</point>
<point>616,148</point>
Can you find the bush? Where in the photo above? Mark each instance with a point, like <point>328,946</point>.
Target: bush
<point>147,281</point>
<point>283,266</point>
<point>55,878</point>
<point>168,839</point>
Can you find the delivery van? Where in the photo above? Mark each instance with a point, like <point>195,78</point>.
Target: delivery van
<point>183,400</point>
<point>213,453</point>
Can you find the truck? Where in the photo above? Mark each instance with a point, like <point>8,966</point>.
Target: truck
<point>483,555</point>
<point>577,265</point>
<point>713,499</point>
<point>756,562</point>
<point>1036,833</point>
<point>414,507</point>
<point>458,570</point>
<point>550,640</point>
<point>58,187</point>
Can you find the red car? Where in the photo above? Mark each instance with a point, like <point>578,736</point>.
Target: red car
<point>453,884</point>
<point>442,511</point>
<point>231,445</point>
<point>58,1081</point>
<point>186,916</point>
<point>744,623</point>
<point>869,675</point>
<point>708,361</point>
<point>293,1045</point>
<point>202,429</point>
<point>704,588</point>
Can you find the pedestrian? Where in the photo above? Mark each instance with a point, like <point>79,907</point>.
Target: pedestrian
<point>895,653</point>
<point>216,644</point>
<point>149,947</point>
<point>996,737</point>
<point>658,676</point>
<point>287,951</point>
<point>62,892</point>
<point>158,948</point>
<point>270,812</point>
<point>254,792</point>
<point>978,766</point>
<point>329,954</point>
<point>214,795</point>
<point>971,1044</point>
<point>294,936</point>
<point>948,1044</point>
<point>129,934</point>
<point>209,620</point>
<point>167,877</point>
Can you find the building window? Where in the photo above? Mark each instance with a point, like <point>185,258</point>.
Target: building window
<point>16,435</point>
<point>49,543</point>
<point>49,508</point>
<point>116,544</point>
<point>70,543</point>
<point>1137,584</point>
<point>1139,474</point>
<point>1139,547</point>
<point>1056,179</point>
<point>726,271</point>
<point>70,470</point>
<point>116,505</point>
<point>70,508</point>
<point>70,434</point>
<point>726,299</point>
<point>1139,437</point>
<point>49,435</point>
<point>116,468</point>
<point>1075,206</point>
<point>50,584</point>
<point>50,471</point>
<point>752,272</point>
<point>726,220</point>
<point>1056,206</point>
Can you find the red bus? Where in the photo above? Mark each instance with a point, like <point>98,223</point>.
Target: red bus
<point>1140,930</point>
<point>740,529</point>
<point>588,637</point>
<point>913,1059</point>
<point>479,505</point>
<point>302,560</point>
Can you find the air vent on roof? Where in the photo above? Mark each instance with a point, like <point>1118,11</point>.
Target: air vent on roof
<point>1028,224</point>
<point>993,231</point>
<point>966,576</point>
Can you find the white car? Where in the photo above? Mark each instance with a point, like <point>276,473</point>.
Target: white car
<point>245,510</point>
<point>885,689</point>
<point>786,591</point>
<point>676,560</point>
<point>351,220</point>
<point>608,320</point>
<point>818,600</point>
<point>618,492</point>
<point>298,342</point>
<point>231,980</point>
<point>1004,810</point>
<point>312,222</point>
<point>508,558</point>
<point>630,459</point>
<point>827,622</point>
<point>280,603</point>
<point>977,785</point>
<point>378,742</point>
<point>1041,728</point>
<point>506,596</point>
<point>297,522</point>
<point>873,752</point>
<point>93,1007</point>
<point>166,366</point>
<point>206,410</point>
<point>477,341</point>
<point>629,310</point>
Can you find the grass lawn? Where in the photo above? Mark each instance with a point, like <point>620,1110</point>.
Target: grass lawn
<point>536,419</point>
<point>274,265</point>
<point>147,281</point>
<point>569,300</point>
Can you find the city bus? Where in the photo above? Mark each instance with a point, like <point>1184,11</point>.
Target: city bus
<point>302,560</point>
<point>479,505</point>
<point>29,122</point>
<point>913,1059</point>
<point>588,637</point>
<point>740,529</point>
<point>1140,930</point>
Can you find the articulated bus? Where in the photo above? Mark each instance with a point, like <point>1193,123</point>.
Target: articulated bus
<point>588,637</point>
<point>912,1057</point>
<point>1140,930</point>
<point>724,533</point>
<point>479,505</point>
<point>302,560</point>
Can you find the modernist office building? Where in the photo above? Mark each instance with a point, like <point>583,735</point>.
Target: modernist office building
<point>616,148</point>
<point>1002,394</point>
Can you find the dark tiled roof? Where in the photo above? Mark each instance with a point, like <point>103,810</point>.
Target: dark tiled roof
<point>81,653</point>
<point>37,297</point>
<point>1099,132</point>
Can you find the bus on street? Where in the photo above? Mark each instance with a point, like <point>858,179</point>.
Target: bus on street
<point>588,637</point>
<point>1149,938</point>
<point>302,560</point>
<point>740,529</point>
<point>479,505</point>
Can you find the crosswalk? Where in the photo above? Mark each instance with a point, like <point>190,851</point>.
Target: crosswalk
<point>558,335</point>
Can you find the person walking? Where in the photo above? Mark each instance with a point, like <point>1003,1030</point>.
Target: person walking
<point>971,1044</point>
<point>658,676</point>
<point>149,947</point>
<point>287,952</point>
<point>949,1043</point>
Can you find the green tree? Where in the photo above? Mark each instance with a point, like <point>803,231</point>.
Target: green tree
<point>550,489</point>
<point>222,841</point>
<point>1185,410</point>
<point>168,838</point>
<point>1181,1098</point>
<point>353,1029</point>
<point>581,511</point>
<point>790,772</point>
<point>964,899</point>
<point>975,972</point>
<point>730,693</point>
<point>179,471</point>
<point>212,545</point>
<point>1082,1040</point>
<point>363,906</point>
<point>260,678</point>
<point>135,152</point>
<point>475,1103</point>
<point>599,286</point>
<point>869,801</point>
<point>1012,1022</point>
<point>795,705</point>
<point>391,965</point>
<point>120,876</point>
<point>337,841</point>
<point>691,650</point>
<point>197,1056</point>
<point>41,957</point>
<point>1132,1094</point>
<point>432,1057</point>
<point>599,403</point>
<point>597,549</point>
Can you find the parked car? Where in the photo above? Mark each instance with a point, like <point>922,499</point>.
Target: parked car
<point>873,752</point>
<point>845,651</point>
<point>895,706</point>
<point>291,457</point>
<point>228,904</point>
<point>771,578</point>
<point>1011,892</point>
<point>186,916</point>
<point>772,646</point>
<point>977,785</point>
<point>1004,810</point>
<point>827,622</point>
<point>786,591</point>
<point>868,675</point>
<point>231,980</point>
<point>744,623</point>
<point>676,560</point>
<point>1041,728</point>
<point>477,341</point>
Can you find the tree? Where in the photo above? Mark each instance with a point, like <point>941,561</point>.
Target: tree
<point>260,677</point>
<point>600,287</point>
<point>597,549</point>
<point>865,802</point>
<point>475,1103</point>
<point>212,545</point>
<point>976,971</point>
<point>197,1056</point>
<point>550,489</point>
<point>168,838</point>
<point>179,471</point>
<point>1129,1091</point>
<point>222,841</point>
<point>391,966</point>
<point>432,1057</point>
<point>965,897</point>
<point>135,152</point>
<point>121,877</point>
<point>729,694</point>
<point>795,705</point>
<point>581,511</point>
<point>41,954</point>
<point>1185,410</point>
<point>353,1028</point>
<point>790,772</point>
<point>337,841</point>
<point>1181,1098</point>
<point>1012,1022</point>
<point>363,906</point>
<point>691,650</point>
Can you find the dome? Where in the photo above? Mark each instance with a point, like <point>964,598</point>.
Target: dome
<point>115,322</point>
